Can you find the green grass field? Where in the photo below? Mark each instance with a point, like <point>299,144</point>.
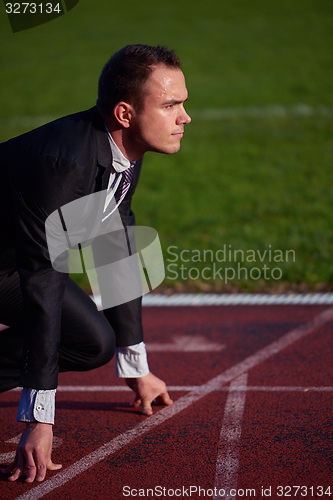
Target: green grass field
<point>254,173</point>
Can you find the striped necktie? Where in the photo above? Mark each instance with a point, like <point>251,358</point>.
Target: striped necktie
<point>127,176</point>
<point>124,184</point>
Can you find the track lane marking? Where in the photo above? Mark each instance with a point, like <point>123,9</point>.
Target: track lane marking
<point>272,349</point>
<point>234,299</point>
<point>185,343</point>
<point>226,476</point>
<point>187,388</point>
<point>182,403</point>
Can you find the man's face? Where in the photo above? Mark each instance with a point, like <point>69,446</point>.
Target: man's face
<point>160,126</point>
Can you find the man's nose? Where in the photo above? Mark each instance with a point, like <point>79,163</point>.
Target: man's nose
<point>188,118</point>
<point>184,117</point>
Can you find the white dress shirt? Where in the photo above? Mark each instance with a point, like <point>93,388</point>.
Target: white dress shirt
<point>131,362</point>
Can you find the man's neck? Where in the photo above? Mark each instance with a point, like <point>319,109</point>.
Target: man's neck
<point>121,139</point>
<point>117,136</point>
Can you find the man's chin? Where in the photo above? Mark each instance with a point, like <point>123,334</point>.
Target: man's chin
<point>170,150</point>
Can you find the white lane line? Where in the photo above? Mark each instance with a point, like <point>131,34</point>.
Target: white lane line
<point>235,299</point>
<point>185,343</point>
<point>259,388</point>
<point>273,348</point>
<point>197,388</point>
<point>182,403</point>
<point>226,475</point>
<point>7,458</point>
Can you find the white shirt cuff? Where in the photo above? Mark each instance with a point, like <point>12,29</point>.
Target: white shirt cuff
<point>36,406</point>
<point>131,361</point>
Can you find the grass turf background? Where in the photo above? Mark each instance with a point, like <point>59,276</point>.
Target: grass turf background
<point>249,175</point>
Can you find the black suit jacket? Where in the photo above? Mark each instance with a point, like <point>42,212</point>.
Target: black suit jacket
<point>40,172</point>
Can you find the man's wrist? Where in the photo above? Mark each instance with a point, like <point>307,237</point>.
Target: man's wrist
<point>131,361</point>
<point>36,424</point>
<point>36,406</point>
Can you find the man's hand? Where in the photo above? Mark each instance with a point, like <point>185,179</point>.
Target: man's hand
<point>148,389</point>
<point>33,453</point>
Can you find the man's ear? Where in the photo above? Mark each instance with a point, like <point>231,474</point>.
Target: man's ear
<point>123,113</point>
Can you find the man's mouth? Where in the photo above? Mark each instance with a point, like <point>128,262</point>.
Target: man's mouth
<point>179,134</point>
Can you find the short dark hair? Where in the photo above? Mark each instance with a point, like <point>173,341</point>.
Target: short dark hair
<point>124,75</point>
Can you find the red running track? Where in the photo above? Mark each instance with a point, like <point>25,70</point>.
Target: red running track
<point>252,417</point>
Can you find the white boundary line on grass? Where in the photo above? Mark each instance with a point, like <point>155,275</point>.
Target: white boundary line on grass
<point>268,111</point>
<point>182,403</point>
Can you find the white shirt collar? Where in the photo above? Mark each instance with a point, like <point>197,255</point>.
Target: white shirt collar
<point>119,161</point>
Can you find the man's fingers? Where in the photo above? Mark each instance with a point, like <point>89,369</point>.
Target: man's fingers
<point>31,468</point>
<point>10,468</point>
<point>41,473</point>
<point>17,473</point>
<point>40,470</point>
<point>164,399</point>
<point>15,469</point>
<point>32,473</point>
<point>44,464</point>
<point>136,404</point>
<point>33,454</point>
<point>148,389</point>
<point>146,408</point>
<point>52,466</point>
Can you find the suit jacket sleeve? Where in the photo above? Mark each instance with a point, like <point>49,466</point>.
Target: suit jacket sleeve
<point>49,184</point>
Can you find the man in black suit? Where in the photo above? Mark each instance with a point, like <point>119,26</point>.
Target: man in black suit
<point>53,325</point>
